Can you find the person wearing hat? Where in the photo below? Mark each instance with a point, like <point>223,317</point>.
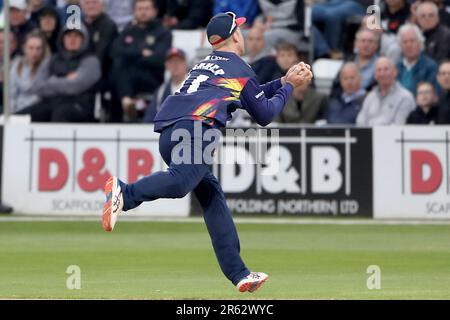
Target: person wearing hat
<point>67,90</point>
<point>50,25</point>
<point>176,65</point>
<point>20,25</point>
<point>213,90</point>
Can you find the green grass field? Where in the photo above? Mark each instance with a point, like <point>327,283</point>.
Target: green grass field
<point>156,260</point>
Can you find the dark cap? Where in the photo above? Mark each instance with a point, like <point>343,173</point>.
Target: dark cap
<point>48,11</point>
<point>222,26</point>
<point>175,52</point>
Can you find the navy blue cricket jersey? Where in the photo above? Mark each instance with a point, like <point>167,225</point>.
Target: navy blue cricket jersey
<point>216,87</point>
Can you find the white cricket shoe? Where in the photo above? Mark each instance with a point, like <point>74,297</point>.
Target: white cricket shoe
<point>252,282</point>
<point>113,203</point>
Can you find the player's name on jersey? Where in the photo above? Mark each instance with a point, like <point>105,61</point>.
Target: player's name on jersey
<point>212,67</point>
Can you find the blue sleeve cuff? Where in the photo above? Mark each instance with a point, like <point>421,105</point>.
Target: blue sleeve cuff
<point>289,88</point>
<point>279,83</point>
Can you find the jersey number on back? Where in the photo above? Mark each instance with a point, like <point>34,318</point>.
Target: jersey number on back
<point>195,83</point>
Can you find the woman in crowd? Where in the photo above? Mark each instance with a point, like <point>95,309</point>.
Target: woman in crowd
<point>26,70</point>
<point>49,24</point>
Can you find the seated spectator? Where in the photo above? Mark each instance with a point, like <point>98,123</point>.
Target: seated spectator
<point>283,20</point>
<point>242,8</point>
<point>366,53</point>
<point>188,14</point>
<point>102,31</point>
<point>255,45</point>
<point>12,50</point>
<point>444,15</point>
<point>426,111</point>
<point>437,35</point>
<point>416,66</point>
<point>331,15</point>
<point>120,11</point>
<point>286,56</point>
<point>20,26</point>
<point>68,90</point>
<point>49,24</point>
<point>305,106</point>
<point>444,99</point>
<point>26,70</point>
<point>138,56</point>
<point>176,65</point>
<point>258,57</point>
<point>395,14</point>
<point>34,8</point>
<point>366,48</point>
<point>389,46</point>
<point>345,108</point>
<point>389,103</point>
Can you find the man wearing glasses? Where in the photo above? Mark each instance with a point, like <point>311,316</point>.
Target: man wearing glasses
<point>212,91</point>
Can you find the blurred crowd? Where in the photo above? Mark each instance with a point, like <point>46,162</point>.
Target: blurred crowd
<point>121,63</point>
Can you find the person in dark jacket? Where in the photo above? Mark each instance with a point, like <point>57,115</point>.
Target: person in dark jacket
<point>177,67</point>
<point>188,14</point>
<point>20,25</point>
<point>34,8</point>
<point>344,108</point>
<point>427,110</point>
<point>395,14</point>
<point>444,100</point>
<point>68,88</point>
<point>138,56</point>
<point>102,30</point>
<point>436,34</point>
<point>50,25</point>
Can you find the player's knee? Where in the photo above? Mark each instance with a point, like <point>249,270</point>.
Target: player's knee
<point>180,190</point>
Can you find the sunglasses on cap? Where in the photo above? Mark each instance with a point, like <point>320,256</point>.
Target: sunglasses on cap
<point>237,22</point>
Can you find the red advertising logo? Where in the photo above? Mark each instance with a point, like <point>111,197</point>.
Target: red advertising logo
<point>421,159</point>
<point>428,171</point>
<point>56,167</point>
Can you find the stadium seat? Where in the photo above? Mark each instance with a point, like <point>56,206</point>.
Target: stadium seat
<point>325,70</point>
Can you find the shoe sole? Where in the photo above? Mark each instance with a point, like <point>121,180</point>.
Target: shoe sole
<point>107,207</point>
<point>260,283</point>
<point>252,286</point>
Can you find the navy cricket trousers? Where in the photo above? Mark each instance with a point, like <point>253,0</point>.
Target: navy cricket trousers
<point>178,181</point>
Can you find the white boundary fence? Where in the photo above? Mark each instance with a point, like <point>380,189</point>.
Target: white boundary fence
<point>58,169</point>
